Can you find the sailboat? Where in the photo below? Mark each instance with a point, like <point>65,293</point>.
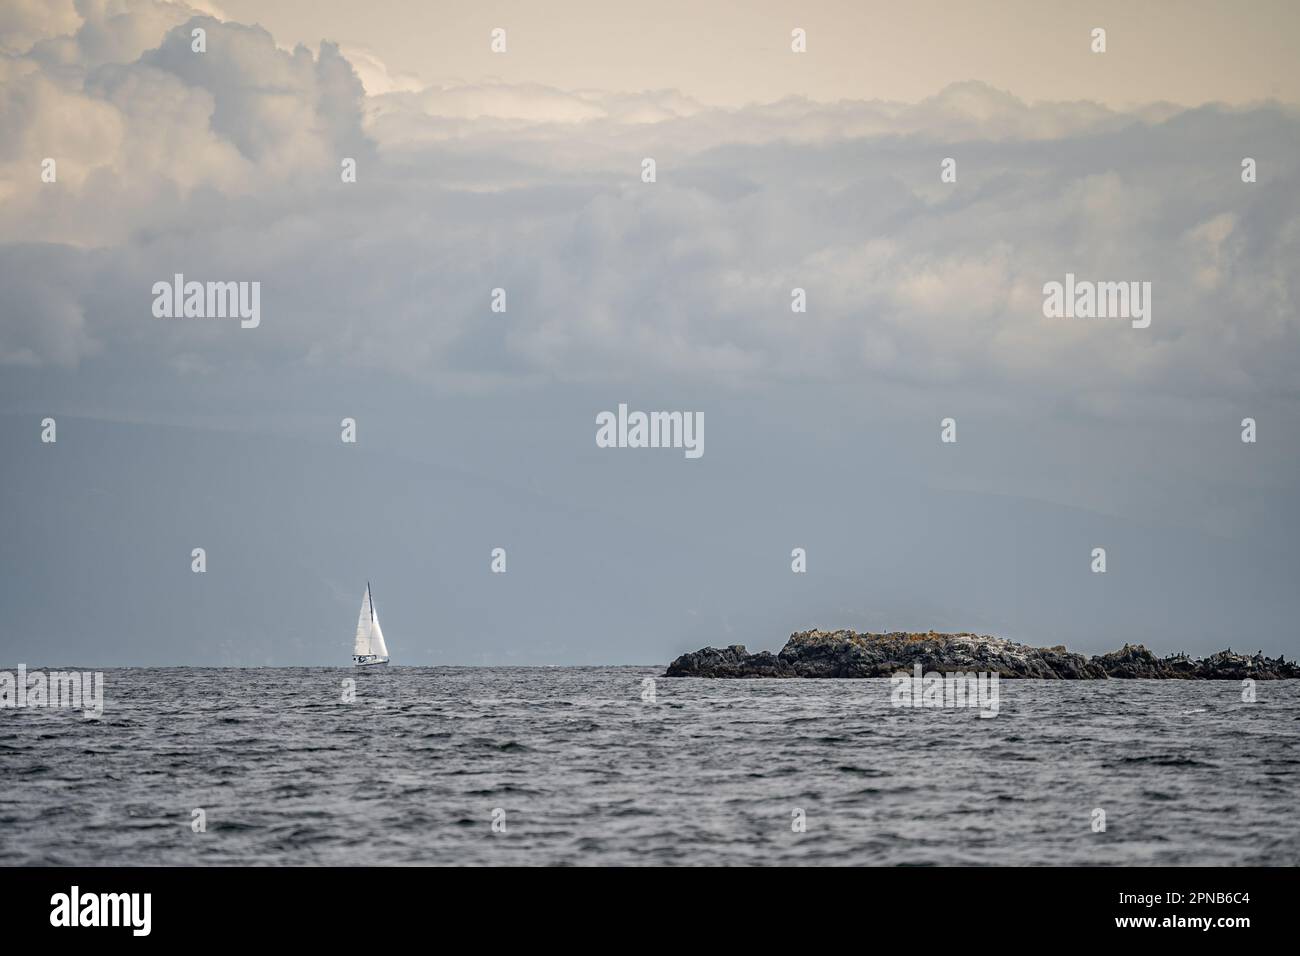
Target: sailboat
<point>369,649</point>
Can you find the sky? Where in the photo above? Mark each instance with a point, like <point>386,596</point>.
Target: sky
<point>524,171</point>
<point>736,53</point>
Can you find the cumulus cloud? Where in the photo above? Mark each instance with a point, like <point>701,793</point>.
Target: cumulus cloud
<point>107,31</point>
<point>375,75</point>
<point>225,165</point>
<point>24,22</point>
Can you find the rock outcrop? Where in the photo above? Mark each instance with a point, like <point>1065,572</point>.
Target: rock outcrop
<point>849,654</point>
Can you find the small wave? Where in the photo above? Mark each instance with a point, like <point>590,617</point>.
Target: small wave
<point>1166,760</point>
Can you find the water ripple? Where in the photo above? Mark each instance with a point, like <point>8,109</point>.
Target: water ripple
<point>583,771</point>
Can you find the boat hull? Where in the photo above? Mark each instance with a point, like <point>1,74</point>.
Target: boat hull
<point>371,661</point>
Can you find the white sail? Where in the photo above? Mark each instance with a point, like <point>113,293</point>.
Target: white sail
<point>361,646</point>
<point>377,645</point>
<point>369,647</point>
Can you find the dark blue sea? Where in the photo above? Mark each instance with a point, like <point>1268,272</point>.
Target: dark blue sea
<point>577,767</point>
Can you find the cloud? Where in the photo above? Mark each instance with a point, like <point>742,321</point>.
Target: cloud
<point>225,165</point>
<point>375,75</point>
<point>25,22</point>
<point>45,321</point>
<point>108,31</point>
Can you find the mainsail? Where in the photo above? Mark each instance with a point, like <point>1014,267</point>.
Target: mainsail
<point>370,638</point>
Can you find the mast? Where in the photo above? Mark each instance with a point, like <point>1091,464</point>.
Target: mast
<point>371,597</point>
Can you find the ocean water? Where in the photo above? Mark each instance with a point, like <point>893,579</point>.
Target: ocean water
<point>584,771</point>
